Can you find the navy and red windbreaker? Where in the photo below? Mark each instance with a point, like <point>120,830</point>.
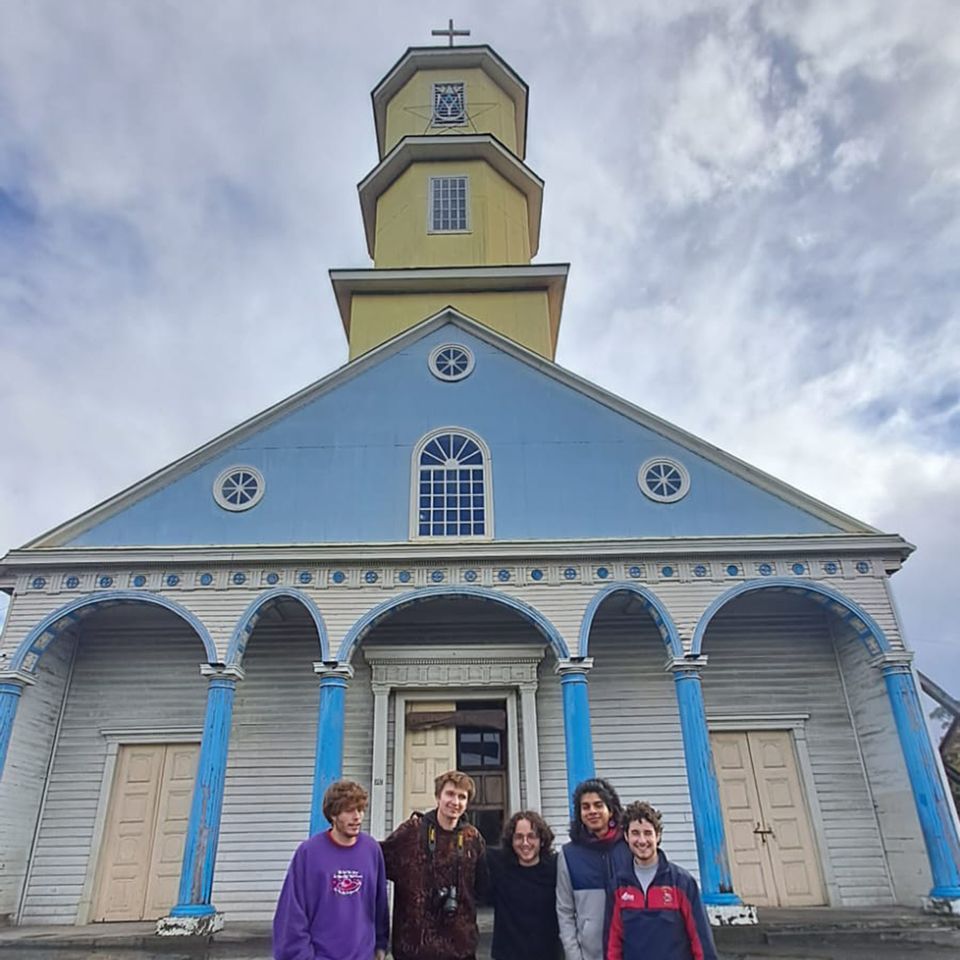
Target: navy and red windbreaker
<point>668,923</point>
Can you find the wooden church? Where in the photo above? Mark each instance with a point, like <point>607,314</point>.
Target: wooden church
<point>452,552</point>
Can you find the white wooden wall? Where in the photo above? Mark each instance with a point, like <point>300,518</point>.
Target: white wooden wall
<point>775,655</point>
<point>886,771</point>
<point>266,801</point>
<point>637,742</point>
<point>28,756</point>
<point>136,671</point>
<point>553,760</point>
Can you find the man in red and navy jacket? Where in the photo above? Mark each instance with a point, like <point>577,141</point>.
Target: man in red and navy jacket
<point>657,911</point>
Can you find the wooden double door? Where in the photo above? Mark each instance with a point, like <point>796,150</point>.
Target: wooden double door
<point>463,743</point>
<point>770,839</point>
<point>146,824</point>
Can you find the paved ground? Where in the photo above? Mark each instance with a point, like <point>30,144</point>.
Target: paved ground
<point>877,934</point>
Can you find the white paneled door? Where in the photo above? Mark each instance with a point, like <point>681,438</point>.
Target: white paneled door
<point>770,841</point>
<point>145,829</point>
<point>427,754</point>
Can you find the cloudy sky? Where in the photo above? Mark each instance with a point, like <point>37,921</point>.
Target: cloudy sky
<point>759,202</point>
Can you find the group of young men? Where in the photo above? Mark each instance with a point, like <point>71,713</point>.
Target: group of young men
<point>618,897</point>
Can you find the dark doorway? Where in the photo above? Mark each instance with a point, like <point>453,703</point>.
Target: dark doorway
<point>482,752</point>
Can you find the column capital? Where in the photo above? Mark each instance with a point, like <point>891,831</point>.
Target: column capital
<point>381,689</point>
<point>527,686</point>
<point>685,665</point>
<point>19,677</point>
<point>574,666</point>
<point>220,671</point>
<point>330,669</point>
<point>893,661</point>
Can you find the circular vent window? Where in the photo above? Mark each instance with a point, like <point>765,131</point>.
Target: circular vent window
<point>663,480</point>
<point>239,488</point>
<point>451,362</point>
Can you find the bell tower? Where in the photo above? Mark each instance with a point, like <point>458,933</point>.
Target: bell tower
<point>451,212</point>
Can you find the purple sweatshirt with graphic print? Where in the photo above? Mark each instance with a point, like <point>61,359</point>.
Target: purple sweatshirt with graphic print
<point>333,905</point>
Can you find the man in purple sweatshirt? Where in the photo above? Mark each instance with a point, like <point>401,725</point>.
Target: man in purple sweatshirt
<point>333,905</point>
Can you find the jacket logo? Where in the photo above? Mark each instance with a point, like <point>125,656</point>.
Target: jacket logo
<point>667,895</point>
<point>346,882</point>
<point>627,897</point>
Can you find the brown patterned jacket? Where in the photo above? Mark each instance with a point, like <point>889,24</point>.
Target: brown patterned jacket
<point>422,859</point>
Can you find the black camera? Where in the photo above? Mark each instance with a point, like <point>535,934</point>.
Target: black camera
<point>446,898</point>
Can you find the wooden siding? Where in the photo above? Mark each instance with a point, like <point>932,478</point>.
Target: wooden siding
<point>135,670</point>
<point>553,760</point>
<point>885,769</point>
<point>21,790</point>
<point>637,742</point>
<point>775,655</point>
<point>266,803</point>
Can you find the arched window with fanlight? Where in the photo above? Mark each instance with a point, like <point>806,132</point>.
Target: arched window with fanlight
<point>451,494</point>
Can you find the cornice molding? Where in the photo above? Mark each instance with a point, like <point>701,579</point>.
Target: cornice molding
<point>891,546</point>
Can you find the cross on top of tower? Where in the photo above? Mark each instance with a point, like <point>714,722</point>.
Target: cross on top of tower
<point>450,32</point>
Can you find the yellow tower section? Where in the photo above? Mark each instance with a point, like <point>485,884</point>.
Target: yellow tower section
<point>451,212</point>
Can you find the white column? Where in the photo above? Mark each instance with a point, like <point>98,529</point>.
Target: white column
<point>531,745</point>
<point>378,778</point>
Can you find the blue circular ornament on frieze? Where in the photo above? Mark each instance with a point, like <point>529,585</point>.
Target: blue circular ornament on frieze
<point>38,583</point>
<point>667,571</point>
<point>338,576</point>
<point>536,574</point>
<point>437,576</point>
<point>699,570</point>
<point>239,578</point>
<point>172,580</point>
<point>371,576</point>
<point>765,569</point>
<point>503,575</point>
<point>603,573</point>
<point>732,570</point>
<point>470,576</point>
<point>273,578</point>
<point>305,576</point>
<point>139,580</point>
<point>206,579</point>
<point>799,569</point>
<point>635,572</point>
<point>830,567</point>
<point>105,581</point>
<point>404,576</point>
<point>570,573</point>
<point>863,567</point>
<point>72,582</point>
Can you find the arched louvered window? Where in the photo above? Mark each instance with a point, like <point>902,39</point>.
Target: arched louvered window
<point>451,486</point>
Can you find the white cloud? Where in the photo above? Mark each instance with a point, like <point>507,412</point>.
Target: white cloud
<point>756,199</point>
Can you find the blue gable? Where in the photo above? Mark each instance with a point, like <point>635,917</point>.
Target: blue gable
<point>337,468</point>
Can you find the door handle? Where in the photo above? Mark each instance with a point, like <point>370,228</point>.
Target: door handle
<point>763,832</point>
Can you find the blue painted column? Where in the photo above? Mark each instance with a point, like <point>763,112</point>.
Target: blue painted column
<point>203,828</point>
<point>716,882</point>
<point>11,686</point>
<point>328,763</point>
<point>936,822</point>
<point>577,735</point>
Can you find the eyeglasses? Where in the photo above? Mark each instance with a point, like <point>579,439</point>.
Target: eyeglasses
<point>526,838</point>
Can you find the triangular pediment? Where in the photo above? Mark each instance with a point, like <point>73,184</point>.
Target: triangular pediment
<point>335,458</point>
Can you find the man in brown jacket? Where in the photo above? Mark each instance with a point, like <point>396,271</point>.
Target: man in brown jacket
<point>436,865</point>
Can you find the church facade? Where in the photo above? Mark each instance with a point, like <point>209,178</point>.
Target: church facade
<point>453,552</point>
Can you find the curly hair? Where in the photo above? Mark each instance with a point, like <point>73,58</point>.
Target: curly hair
<point>343,795</point>
<point>641,810</point>
<point>604,789</point>
<point>459,779</point>
<point>540,828</point>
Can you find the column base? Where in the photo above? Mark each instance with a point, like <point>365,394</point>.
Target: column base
<point>945,906</point>
<point>731,915</point>
<point>192,926</point>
